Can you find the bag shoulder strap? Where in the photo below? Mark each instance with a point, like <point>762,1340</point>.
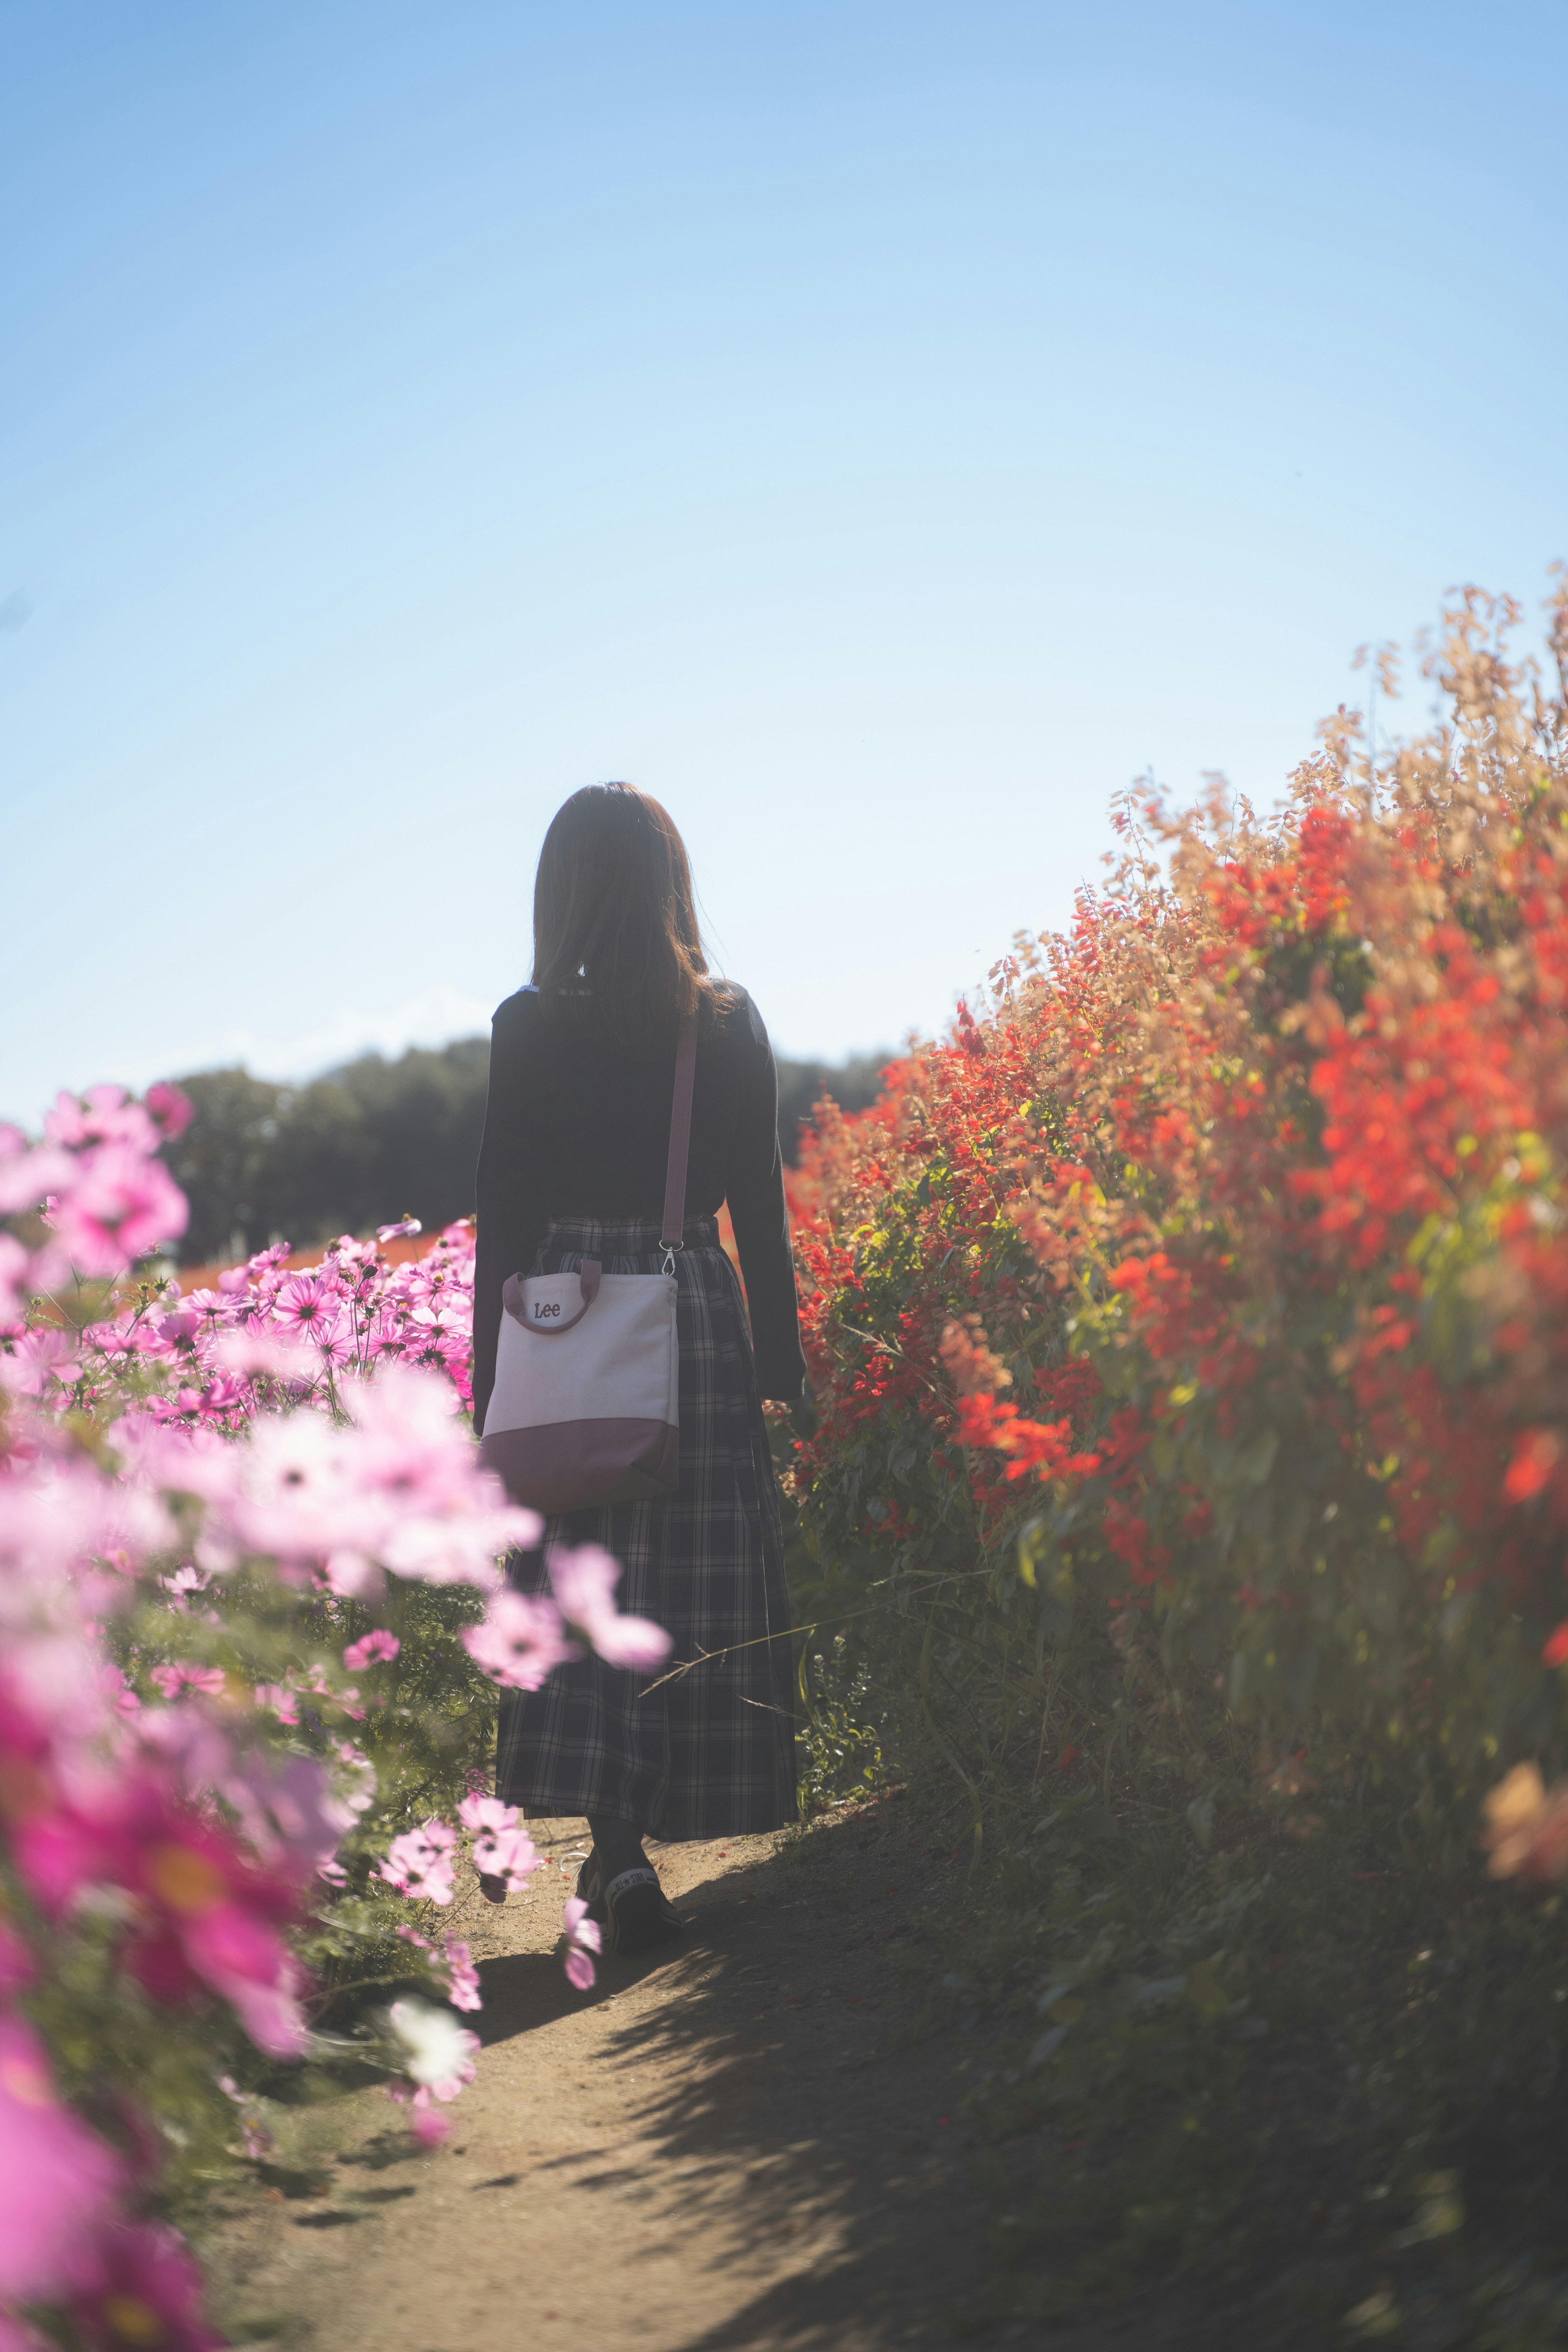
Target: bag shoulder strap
<point>674,1224</point>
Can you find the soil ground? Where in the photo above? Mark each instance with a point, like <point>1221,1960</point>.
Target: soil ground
<point>740,2142</point>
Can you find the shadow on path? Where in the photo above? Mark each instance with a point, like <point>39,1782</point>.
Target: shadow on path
<point>795,2103</point>
<point>523,1990</point>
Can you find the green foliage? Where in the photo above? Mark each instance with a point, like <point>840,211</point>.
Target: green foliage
<point>367,1143</point>
<point>838,1748</point>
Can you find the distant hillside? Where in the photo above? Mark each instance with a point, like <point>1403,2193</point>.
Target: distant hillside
<point>377,1141</point>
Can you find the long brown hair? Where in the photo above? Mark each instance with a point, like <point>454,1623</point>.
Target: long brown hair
<point>615,937</point>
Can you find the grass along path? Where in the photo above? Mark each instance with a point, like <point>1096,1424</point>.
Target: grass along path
<point>737,2142</point>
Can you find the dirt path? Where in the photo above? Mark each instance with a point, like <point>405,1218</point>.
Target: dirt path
<point>738,2145</point>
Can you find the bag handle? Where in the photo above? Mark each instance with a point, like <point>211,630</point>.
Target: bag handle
<point>512,1299</point>
<point>674,1225</point>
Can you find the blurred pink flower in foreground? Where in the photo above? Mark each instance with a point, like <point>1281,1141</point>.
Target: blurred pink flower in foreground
<point>435,2051</point>
<point>58,2180</point>
<point>582,1940</point>
<point>143,2288</point>
<point>583,1582</point>
<point>519,1642</point>
<point>463,1990</point>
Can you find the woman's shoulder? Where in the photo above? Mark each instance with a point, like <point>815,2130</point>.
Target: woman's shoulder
<point>737,1019</point>
<point>518,1009</point>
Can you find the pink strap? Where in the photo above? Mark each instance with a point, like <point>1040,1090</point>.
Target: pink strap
<point>674,1224</point>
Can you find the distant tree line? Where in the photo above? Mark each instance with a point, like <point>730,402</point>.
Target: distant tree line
<point>377,1141</point>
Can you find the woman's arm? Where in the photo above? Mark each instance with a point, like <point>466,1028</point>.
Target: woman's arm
<point>756,1197</point>
<point>509,1194</point>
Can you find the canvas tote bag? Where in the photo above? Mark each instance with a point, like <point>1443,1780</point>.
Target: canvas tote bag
<point>586,1405</point>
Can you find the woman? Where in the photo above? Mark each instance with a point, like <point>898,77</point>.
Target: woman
<point>572,1166</point>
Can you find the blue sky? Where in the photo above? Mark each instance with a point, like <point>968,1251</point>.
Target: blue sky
<point>879,429</point>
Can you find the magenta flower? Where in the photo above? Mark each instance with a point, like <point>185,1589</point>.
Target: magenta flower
<point>173,1110</point>
<point>58,2180</point>
<point>583,1582</point>
<point>300,1303</point>
<point>420,1864</point>
<point>206,1917</point>
<point>582,1938</point>
<point>143,2289</point>
<point>372,1646</point>
<point>519,1642</point>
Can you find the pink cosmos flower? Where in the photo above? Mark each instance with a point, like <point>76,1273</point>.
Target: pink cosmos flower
<point>300,1303</point>
<point>104,1115</point>
<point>58,2180</point>
<point>206,1916</point>
<point>15,1279</point>
<point>117,1206</point>
<point>519,1642</point>
<point>290,1812</point>
<point>463,1985</point>
<point>124,1699</point>
<point>185,1675</point>
<point>429,2127</point>
<point>143,2288</point>
<point>420,1863</point>
<point>502,1846</point>
<point>396,1233</point>
<point>295,1499</point>
<point>334,1339</point>
<point>36,1360</point>
<point>283,1701</point>
<point>29,1173</point>
<point>582,1940</point>
<point>583,1582</point>
<point>369,1648</point>
<point>173,1110</point>
<point>215,1926</point>
<point>184,1581</point>
<point>437,2054</point>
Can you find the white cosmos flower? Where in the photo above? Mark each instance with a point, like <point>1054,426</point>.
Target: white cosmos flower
<point>439,2051</point>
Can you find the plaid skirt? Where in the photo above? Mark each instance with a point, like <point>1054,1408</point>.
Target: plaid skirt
<point>711,1751</point>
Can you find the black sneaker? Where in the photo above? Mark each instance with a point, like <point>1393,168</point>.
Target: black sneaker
<point>631,1908</point>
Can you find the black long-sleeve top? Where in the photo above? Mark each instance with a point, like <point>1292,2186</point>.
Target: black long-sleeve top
<point>576,1126</point>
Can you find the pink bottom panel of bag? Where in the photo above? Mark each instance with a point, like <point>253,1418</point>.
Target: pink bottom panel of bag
<point>574,1466</point>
